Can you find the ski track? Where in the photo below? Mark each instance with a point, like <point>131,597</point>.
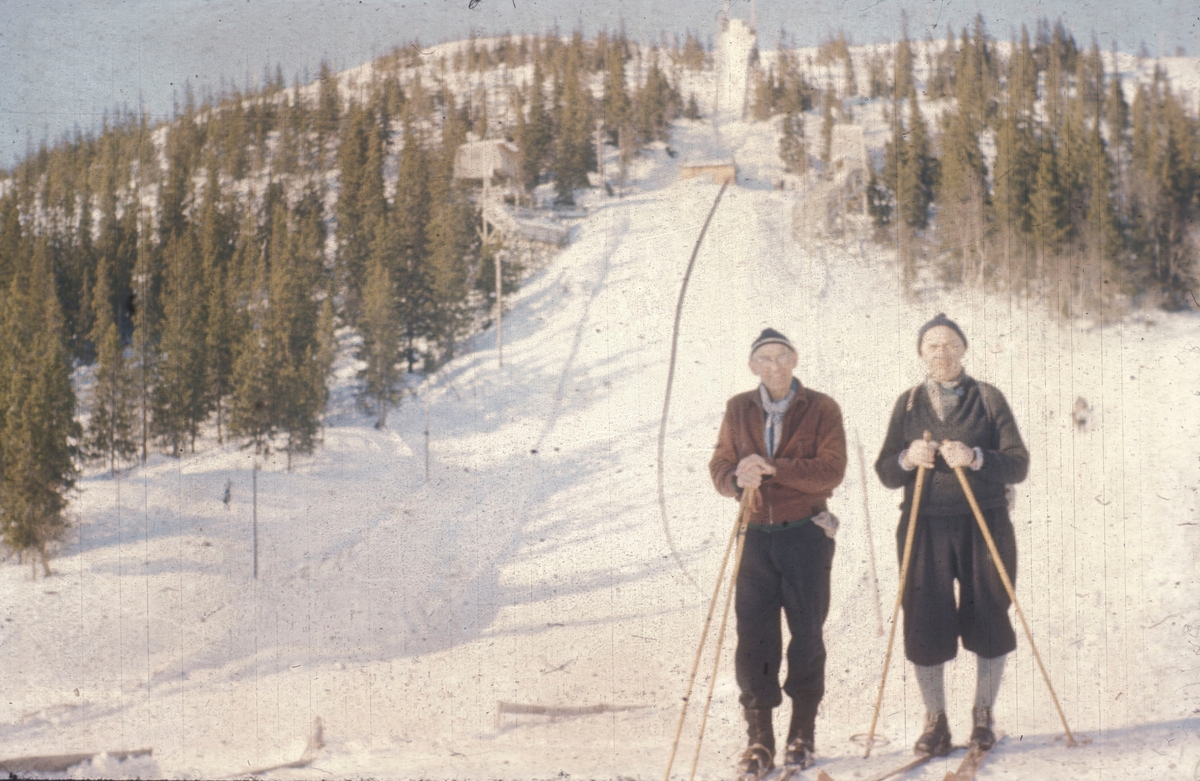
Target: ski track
<point>531,566</point>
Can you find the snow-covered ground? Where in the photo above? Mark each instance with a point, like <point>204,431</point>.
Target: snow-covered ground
<point>531,566</point>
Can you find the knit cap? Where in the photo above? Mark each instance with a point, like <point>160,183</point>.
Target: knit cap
<point>940,319</point>
<point>770,336</point>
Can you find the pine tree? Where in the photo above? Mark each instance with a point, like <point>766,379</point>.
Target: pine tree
<point>403,242</point>
<point>762,105</point>
<point>223,320</point>
<point>110,434</point>
<point>180,403</point>
<point>535,136</point>
<point>915,195</point>
<point>793,148</point>
<point>38,430</point>
<point>1100,232</point>
<point>450,239</point>
<point>962,194</point>
<point>904,60</point>
<point>574,153</point>
<point>616,107</point>
<point>292,324</point>
<point>1048,213</point>
<point>380,351</point>
<point>656,105</point>
<point>1016,167</point>
<point>850,78</point>
<point>252,414</point>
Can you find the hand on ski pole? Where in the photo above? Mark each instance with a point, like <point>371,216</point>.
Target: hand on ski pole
<point>920,453</point>
<point>957,455</point>
<point>750,471</point>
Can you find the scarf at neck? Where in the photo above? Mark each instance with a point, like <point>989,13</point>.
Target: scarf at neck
<point>945,396</point>
<point>774,411</point>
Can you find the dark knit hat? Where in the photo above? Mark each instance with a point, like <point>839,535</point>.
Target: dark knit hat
<point>941,319</point>
<point>771,336</point>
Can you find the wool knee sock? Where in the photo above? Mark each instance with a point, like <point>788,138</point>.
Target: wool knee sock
<point>987,681</point>
<point>932,683</point>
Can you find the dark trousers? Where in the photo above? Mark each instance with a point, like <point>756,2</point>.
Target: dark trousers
<point>786,570</point>
<point>948,548</point>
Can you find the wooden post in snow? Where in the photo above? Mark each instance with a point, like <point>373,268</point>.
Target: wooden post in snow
<point>254,511</point>
<point>427,388</point>
<point>600,151</point>
<point>499,311</point>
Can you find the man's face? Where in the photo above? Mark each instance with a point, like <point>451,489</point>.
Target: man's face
<point>942,351</point>
<point>773,364</point>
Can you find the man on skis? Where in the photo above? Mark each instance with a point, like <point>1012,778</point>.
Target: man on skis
<point>972,429</point>
<point>786,441</point>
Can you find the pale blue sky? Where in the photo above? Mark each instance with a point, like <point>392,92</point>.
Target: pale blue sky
<point>63,62</point>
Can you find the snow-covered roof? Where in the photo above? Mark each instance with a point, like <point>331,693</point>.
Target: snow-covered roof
<point>484,159</point>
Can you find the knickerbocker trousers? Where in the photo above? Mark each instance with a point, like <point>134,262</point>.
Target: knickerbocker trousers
<point>948,548</point>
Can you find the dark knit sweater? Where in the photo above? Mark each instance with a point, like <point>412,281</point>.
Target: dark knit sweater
<point>1005,459</point>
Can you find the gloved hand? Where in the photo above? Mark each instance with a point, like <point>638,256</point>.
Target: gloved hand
<point>957,454</point>
<point>919,453</point>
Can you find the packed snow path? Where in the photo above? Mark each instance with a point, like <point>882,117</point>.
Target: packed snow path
<point>532,566</point>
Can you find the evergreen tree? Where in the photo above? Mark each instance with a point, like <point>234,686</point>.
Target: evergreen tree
<point>617,108</point>
<point>657,104</point>
<point>793,148</point>
<point>1100,231</point>
<point>180,403</point>
<point>827,128</point>
<point>904,60</point>
<point>762,105</point>
<point>962,194</point>
<point>450,239</point>
<point>110,434</point>
<point>380,351</point>
<point>38,430</point>
<point>574,153</point>
<point>223,318</point>
<point>404,243</point>
<point>917,169</point>
<point>1016,167</point>
<point>252,414</point>
<point>1048,212</point>
<point>535,136</point>
<point>292,324</point>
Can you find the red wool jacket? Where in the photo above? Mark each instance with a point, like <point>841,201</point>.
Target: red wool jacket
<point>809,462</point>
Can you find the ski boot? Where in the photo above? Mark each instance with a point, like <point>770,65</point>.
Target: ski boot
<point>800,746</point>
<point>935,740</point>
<point>759,757</point>
<point>756,762</point>
<point>982,736</point>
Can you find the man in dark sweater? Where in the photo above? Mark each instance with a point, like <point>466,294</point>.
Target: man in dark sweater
<point>972,428</point>
<point>786,441</point>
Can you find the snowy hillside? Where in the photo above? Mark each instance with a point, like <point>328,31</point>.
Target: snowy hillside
<point>532,567</point>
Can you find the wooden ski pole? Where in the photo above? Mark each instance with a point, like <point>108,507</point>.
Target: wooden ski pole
<point>748,504</point>
<point>737,525</point>
<point>904,562</point>
<point>1012,594</point>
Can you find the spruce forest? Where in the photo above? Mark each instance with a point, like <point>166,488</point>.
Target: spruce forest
<point>202,272</point>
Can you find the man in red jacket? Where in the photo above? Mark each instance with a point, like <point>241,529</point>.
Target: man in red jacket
<point>787,441</point>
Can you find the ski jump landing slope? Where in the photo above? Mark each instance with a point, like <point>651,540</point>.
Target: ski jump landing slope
<point>416,616</point>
